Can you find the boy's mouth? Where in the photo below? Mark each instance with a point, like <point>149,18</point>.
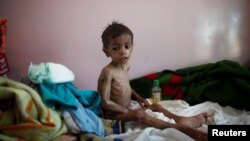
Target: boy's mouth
<point>124,58</point>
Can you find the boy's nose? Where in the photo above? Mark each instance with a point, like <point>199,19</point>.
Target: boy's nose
<point>122,51</point>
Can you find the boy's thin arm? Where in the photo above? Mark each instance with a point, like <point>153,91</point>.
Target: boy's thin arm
<point>112,106</point>
<point>135,95</point>
<point>142,101</point>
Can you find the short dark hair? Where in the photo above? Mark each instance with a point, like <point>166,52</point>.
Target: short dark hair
<point>114,30</point>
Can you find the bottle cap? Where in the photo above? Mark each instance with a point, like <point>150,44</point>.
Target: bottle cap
<point>156,82</point>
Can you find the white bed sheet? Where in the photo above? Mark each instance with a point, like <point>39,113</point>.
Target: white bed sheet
<point>217,115</point>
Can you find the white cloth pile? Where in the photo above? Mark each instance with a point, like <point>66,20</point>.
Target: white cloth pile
<point>50,73</point>
<point>217,115</point>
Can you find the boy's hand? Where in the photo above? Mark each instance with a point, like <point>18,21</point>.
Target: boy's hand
<point>143,102</point>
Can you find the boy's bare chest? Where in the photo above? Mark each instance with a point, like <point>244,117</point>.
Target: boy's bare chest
<point>120,82</point>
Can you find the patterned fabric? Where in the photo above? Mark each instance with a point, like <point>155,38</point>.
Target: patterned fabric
<point>225,82</point>
<point>23,116</point>
<point>111,127</point>
<point>3,32</point>
<point>4,68</point>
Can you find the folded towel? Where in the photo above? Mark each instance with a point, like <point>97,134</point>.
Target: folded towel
<point>50,73</point>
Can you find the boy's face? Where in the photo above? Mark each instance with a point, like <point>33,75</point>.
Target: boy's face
<point>119,49</point>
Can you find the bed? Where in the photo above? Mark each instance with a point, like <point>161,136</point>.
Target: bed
<point>222,89</point>
<point>219,115</point>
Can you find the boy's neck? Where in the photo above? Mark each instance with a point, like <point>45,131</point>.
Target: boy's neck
<point>117,65</point>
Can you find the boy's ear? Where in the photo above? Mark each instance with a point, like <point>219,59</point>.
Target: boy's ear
<point>105,51</point>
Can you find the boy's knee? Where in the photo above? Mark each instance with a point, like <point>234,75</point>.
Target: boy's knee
<point>140,115</point>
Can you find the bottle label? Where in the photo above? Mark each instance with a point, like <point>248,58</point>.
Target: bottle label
<point>156,97</point>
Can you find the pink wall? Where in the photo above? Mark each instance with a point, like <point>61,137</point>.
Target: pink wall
<point>169,34</point>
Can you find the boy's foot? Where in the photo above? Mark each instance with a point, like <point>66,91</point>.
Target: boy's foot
<point>193,121</point>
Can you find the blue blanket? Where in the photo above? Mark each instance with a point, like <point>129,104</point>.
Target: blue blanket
<point>84,105</point>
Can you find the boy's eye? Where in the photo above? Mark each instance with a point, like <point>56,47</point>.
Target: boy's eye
<point>115,48</point>
<point>127,46</point>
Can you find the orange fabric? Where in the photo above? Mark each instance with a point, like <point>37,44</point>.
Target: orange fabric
<point>3,32</point>
<point>3,60</point>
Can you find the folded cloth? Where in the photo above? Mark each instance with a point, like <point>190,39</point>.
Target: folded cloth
<point>66,96</point>
<point>50,73</point>
<point>24,116</point>
<point>83,105</point>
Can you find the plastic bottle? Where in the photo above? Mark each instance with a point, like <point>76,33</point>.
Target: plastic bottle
<point>156,91</point>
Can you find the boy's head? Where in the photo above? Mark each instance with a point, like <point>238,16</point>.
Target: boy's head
<point>117,42</point>
<point>114,30</point>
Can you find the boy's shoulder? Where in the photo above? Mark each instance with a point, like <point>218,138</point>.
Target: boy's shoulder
<point>107,69</point>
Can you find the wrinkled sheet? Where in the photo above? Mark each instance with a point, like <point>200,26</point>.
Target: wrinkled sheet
<point>217,115</point>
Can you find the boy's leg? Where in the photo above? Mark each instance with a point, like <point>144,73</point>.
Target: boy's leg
<point>192,121</point>
<point>142,117</point>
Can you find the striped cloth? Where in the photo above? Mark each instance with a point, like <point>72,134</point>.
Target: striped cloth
<point>23,115</point>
